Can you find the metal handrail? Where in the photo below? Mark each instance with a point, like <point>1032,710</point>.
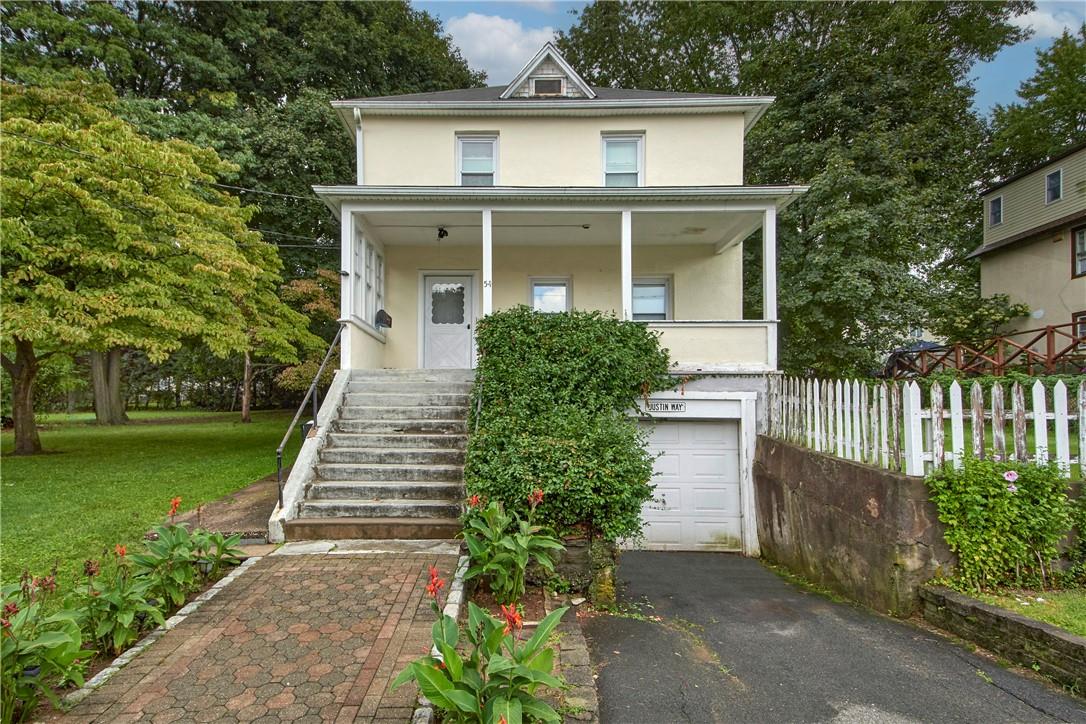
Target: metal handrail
<point>311,392</point>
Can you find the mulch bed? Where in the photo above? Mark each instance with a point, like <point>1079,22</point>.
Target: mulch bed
<point>531,604</point>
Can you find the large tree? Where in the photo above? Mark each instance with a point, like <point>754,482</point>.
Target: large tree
<point>112,240</point>
<point>872,111</point>
<point>1052,114</point>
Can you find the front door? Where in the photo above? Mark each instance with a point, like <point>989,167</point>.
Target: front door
<point>448,315</point>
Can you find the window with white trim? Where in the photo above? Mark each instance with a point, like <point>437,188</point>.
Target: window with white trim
<point>548,86</point>
<point>551,295</point>
<point>651,298</point>
<point>1054,186</point>
<point>477,160</point>
<point>995,211</point>
<point>623,160</point>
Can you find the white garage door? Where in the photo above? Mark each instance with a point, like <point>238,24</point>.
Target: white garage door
<point>696,503</point>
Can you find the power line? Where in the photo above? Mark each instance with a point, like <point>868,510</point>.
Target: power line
<point>76,151</point>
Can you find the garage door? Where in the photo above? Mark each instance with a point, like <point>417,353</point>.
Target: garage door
<point>696,504</point>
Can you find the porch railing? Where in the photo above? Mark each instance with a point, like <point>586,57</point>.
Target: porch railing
<point>312,394</point>
<point>1046,350</point>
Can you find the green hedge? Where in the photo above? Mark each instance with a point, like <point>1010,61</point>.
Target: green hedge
<point>549,411</point>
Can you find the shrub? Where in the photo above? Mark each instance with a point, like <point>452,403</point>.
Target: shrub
<point>112,607</point>
<point>1005,520</point>
<point>549,411</point>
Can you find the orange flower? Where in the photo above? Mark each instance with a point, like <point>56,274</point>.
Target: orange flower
<point>535,498</point>
<point>475,501</point>
<point>512,617</point>
<point>435,584</point>
<point>120,550</point>
<point>174,505</point>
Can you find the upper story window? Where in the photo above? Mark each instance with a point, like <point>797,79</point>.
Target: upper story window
<point>1054,186</point>
<point>477,160</point>
<point>995,211</point>
<point>1078,251</point>
<point>651,299</point>
<point>552,295</point>
<point>623,160</point>
<point>548,86</point>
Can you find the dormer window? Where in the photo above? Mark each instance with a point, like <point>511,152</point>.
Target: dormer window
<point>548,87</point>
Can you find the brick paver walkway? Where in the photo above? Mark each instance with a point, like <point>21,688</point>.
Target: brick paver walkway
<point>306,638</point>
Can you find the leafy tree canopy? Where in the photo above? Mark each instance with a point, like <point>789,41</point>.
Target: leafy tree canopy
<point>1052,115</point>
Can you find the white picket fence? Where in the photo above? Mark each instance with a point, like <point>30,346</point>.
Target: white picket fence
<point>887,424</point>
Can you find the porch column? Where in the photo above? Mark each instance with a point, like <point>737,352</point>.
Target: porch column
<point>488,263</point>
<point>359,154</point>
<point>627,265</point>
<point>347,243</point>
<point>769,281</point>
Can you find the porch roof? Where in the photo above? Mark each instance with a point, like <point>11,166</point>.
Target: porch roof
<point>600,198</point>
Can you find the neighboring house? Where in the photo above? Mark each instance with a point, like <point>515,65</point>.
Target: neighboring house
<point>1035,242</point>
<point>559,195</point>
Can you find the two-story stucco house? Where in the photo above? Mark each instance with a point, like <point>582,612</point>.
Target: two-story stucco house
<point>1035,242</point>
<point>556,194</point>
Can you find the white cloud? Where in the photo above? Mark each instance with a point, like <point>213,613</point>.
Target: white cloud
<point>498,45</point>
<point>1049,23</point>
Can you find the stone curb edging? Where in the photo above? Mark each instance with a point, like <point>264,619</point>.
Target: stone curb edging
<point>1051,650</point>
<point>574,664</point>
<point>424,712</point>
<point>124,659</point>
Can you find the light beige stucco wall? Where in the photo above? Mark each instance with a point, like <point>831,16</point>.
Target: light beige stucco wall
<point>709,347</point>
<point>679,150</point>
<point>704,285</point>
<point>1037,273</point>
<point>364,350</point>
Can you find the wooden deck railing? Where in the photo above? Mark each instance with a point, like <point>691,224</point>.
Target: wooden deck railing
<point>1048,350</point>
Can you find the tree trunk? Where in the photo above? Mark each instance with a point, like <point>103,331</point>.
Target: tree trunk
<point>247,390</point>
<point>23,372</point>
<point>106,380</point>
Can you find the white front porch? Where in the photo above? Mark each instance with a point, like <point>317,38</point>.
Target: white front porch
<point>676,265</point>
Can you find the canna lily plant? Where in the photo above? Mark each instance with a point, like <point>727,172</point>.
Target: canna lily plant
<point>498,680</point>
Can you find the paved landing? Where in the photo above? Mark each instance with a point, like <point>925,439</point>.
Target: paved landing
<point>736,643</point>
<point>300,638</point>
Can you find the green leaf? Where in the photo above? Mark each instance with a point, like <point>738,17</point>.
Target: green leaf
<point>543,630</point>
<point>509,709</point>
<point>464,701</point>
<point>433,684</point>
<point>538,709</point>
<point>452,662</point>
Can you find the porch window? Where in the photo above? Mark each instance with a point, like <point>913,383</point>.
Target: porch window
<point>371,292</point>
<point>1078,251</point>
<point>1054,186</point>
<point>477,160</point>
<point>622,164</point>
<point>1078,320</point>
<point>551,295</point>
<point>995,211</point>
<point>651,299</point>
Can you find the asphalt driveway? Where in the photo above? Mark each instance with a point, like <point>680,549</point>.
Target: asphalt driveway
<point>720,638</point>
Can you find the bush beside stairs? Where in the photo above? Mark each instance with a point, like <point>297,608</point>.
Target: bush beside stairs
<point>393,463</point>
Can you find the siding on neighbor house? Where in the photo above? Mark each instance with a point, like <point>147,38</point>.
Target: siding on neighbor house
<point>547,69</point>
<point>690,150</point>
<point>1024,206</point>
<point>704,285</point>
<point>1038,273</point>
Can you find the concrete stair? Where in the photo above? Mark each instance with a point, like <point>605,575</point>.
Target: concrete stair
<point>393,463</point>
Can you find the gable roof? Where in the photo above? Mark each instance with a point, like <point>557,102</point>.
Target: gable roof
<point>1033,169</point>
<point>548,51</point>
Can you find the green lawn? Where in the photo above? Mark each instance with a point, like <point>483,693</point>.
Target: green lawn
<point>185,413</point>
<point>98,486</point>
<point>1066,609</point>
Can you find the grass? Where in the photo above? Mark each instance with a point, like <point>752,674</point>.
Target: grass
<point>185,413</point>
<point>99,486</point>
<point>1065,609</point>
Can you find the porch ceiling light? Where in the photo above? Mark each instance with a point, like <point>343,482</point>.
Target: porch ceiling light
<point>442,232</point>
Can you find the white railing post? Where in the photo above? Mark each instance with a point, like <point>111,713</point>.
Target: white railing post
<point>914,437</point>
<point>957,431</point>
<point>1060,420</point>
<point>1040,424</point>
<point>816,397</point>
<point>938,449</point>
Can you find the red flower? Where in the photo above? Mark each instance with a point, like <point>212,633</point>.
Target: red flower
<point>47,583</point>
<point>502,721</point>
<point>11,608</point>
<point>90,568</point>
<point>475,501</point>
<point>174,505</point>
<point>4,623</point>
<point>120,550</point>
<point>435,584</point>
<point>512,617</point>
<point>535,498</point>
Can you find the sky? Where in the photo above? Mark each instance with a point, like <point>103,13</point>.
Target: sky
<point>501,36</point>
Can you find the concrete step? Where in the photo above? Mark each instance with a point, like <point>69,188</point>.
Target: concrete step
<point>394,456</point>
<point>385,441</point>
<point>411,426</point>
<point>371,528</point>
<point>433,412</point>
<point>391,386</point>
<point>348,508</point>
<point>415,398</point>
<point>413,375</point>
<point>384,490</point>
<point>374,471</point>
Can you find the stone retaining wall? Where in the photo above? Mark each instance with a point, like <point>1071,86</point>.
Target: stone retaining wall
<point>867,533</point>
<point>1053,651</point>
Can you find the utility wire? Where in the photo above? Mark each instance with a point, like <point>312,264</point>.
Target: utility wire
<point>76,151</point>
